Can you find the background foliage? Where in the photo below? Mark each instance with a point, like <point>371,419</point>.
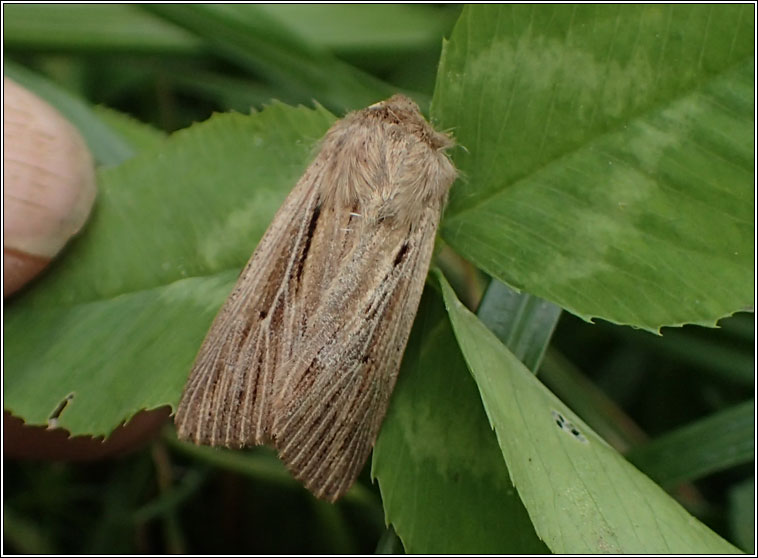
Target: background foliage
<point>607,163</point>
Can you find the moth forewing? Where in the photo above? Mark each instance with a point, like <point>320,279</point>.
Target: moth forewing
<point>227,398</point>
<point>339,387</point>
<point>305,352</point>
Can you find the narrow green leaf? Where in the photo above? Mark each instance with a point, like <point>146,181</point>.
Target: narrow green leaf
<point>582,496</point>
<point>523,322</point>
<point>726,353</point>
<point>742,514</point>
<point>370,29</point>
<point>96,28</point>
<point>444,485</point>
<point>705,353</point>
<point>259,463</point>
<point>608,156</point>
<point>25,534</point>
<point>118,318</point>
<point>715,443</point>
<point>740,327</point>
<point>167,502</point>
<point>226,90</point>
<point>389,543</point>
<point>247,35</point>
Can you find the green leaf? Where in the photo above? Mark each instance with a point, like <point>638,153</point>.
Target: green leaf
<point>608,156</point>
<point>742,514</point>
<point>118,318</point>
<point>389,543</point>
<point>710,353</point>
<point>262,464</point>
<point>718,442</point>
<point>248,36</point>
<point>371,29</point>
<point>523,322</point>
<point>91,27</point>
<point>234,93</point>
<point>444,485</point>
<point>140,136</point>
<point>581,495</point>
<point>25,533</point>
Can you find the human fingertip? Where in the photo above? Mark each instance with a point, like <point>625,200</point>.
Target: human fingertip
<point>49,184</point>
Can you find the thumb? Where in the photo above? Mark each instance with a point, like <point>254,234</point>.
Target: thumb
<point>49,179</point>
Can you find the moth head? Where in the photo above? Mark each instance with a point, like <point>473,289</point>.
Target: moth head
<point>403,111</point>
<point>387,163</point>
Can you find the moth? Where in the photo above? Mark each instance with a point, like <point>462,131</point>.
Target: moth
<point>305,352</point>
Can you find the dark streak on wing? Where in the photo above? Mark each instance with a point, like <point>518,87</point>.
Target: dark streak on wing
<point>308,239</point>
<point>327,420</point>
<point>400,254</point>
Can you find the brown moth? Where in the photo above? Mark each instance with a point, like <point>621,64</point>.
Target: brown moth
<point>305,352</point>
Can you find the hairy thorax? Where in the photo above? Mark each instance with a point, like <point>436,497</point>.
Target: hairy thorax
<point>390,164</point>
